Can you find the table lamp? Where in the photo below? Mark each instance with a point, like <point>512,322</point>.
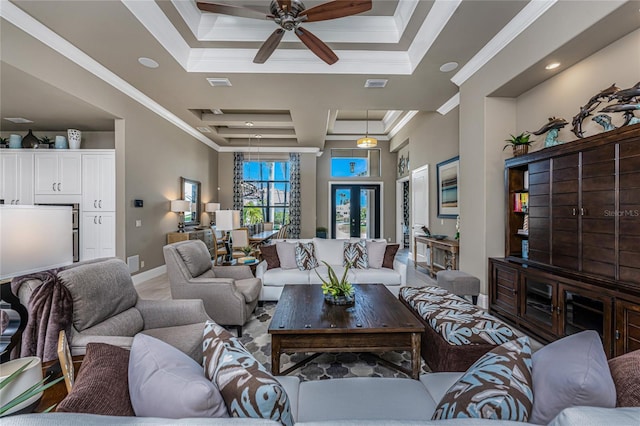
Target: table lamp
<point>211,208</point>
<point>180,206</point>
<point>228,220</point>
<point>32,239</point>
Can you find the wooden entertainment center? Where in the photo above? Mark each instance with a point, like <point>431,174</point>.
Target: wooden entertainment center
<point>572,249</point>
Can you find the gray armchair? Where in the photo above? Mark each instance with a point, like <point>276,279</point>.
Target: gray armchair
<point>230,293</point>
<point>107,309</point>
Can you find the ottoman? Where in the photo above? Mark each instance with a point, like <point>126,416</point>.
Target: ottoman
<point>459,283</point>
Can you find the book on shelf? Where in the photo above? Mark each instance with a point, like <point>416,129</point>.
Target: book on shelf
<point>525,249</point>
<point>521,202</point>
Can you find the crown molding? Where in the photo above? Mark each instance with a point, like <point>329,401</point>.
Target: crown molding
<point>450,104</point>
<point>527,16</point>
<point>13,14</point>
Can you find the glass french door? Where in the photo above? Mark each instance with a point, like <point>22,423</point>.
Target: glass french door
<point>355,211</point>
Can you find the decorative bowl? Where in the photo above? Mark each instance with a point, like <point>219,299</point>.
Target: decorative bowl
<point>439,237</point>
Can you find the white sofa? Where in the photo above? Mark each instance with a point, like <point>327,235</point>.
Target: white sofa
<point>330,251</point>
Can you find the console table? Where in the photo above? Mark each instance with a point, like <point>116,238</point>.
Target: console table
<point>205,235</point>
<point>448,247</point>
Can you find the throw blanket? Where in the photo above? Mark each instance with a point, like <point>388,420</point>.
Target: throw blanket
<point>50,310</point>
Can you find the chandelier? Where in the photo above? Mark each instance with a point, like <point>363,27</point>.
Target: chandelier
<point>367,141</point>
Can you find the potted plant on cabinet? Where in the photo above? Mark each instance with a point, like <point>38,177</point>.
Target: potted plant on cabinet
<point>321,232</point>
<point>519,143</point>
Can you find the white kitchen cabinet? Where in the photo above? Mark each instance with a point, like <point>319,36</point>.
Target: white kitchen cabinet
<point>98,235</point>
<point>99,182</point>
<point>16,177</point>
<point>58,173</point>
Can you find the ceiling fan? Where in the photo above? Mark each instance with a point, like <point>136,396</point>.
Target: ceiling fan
<point>289,14</point>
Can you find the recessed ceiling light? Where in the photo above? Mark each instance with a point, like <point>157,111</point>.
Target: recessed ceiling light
<point>449,66</point>
<point>248,123</point>
<point>217,111</point>
<point>258,136</point>
<point>148,62</point>
<point>217,81</point>
<point>552,66</point>
<point>376,83</point>
<point>204,129</point>
<point>18,120</point>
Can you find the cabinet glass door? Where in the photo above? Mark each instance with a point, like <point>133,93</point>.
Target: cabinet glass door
<point>538,304</point>
<point>584,310</point>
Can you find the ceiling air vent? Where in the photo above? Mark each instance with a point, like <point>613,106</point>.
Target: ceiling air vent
<point>376,83</point>
<point>215,81</point>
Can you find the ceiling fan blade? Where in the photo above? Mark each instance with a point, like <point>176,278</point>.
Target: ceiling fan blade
<point>225,9</point>
<point>285,5</point>
<point>336,9</point>
<point>268,46</point>
<point>317,46</point>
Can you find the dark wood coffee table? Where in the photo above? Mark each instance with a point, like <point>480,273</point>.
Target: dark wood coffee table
<point>379,322</point>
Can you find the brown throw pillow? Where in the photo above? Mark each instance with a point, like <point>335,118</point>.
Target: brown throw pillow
<point>625,370</point>
<point>102,385</point>
<point>270,254</point>
<point>389,255</point>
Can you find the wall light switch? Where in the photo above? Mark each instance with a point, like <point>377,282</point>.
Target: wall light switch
<point>142,263</point>
<point>138,223</point>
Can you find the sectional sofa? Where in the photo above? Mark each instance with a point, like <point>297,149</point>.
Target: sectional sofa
<point>332,252</point>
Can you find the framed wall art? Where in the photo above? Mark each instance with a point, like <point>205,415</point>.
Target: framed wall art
<point>447,173</point>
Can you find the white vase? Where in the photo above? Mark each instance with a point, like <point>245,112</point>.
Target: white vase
<point>74,137</point>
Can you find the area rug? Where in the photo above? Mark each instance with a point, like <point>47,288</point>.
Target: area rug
<point>326,366</point>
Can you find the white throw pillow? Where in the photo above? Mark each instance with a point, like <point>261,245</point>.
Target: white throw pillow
<point>329,250</point>
<point>375,251</point>
<point>287,255</point>
<point>165,382</point>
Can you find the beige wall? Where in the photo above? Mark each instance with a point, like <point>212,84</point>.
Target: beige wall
<point>388,179</point>
<point>485,122</point>
<point>563,95</point>
<point>151,153</point>
<point>433,138</point>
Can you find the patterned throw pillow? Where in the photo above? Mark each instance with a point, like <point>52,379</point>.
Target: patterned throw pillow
<point>356,255</point>
<point>249,391</point>
<point>306,256</point>
<point>498,386</point>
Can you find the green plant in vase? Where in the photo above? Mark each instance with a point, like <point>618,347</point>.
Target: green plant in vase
<point>28,393</point>
<point>247,250</point>
<point>519,143</point>
<point>337,291</point>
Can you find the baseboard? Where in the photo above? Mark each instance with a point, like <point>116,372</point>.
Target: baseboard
<point>483,301</point>
<point>147,275</point>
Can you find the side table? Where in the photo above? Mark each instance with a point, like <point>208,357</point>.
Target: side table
<point>57,392</point>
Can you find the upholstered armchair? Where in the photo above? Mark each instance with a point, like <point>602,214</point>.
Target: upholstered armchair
<point>230,293</point>
<point>107,309</point>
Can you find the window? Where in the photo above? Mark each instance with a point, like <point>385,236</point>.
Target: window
<point>266,192</point>
<point>355,162</point>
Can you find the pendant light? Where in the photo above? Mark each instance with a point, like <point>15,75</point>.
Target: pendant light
<point>367,142</point>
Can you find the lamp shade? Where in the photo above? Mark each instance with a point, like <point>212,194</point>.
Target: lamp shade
<point>34,238</point>
<point>226,220</point>
<point>367,142</point>
<point>211,207</point>
<point>180,206</point>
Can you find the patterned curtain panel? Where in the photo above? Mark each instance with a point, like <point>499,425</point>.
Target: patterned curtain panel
<point>238,178</point>
<point>294,203</point>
